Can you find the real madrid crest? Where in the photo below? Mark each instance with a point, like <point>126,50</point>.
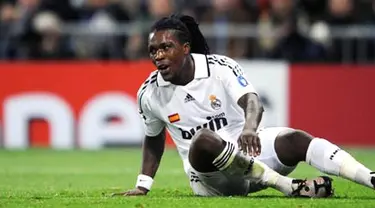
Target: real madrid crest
<point>215,102</point>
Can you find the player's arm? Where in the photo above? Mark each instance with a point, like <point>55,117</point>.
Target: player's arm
<point>243,93</point>
<point>253,110</point>
<point>153,147</point>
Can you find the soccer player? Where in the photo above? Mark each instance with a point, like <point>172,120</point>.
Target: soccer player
<point>212,113</point>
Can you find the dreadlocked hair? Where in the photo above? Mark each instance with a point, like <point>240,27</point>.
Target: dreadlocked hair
<point>187,31</point>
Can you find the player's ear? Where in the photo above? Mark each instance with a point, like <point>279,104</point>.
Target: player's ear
<point>186,47</point>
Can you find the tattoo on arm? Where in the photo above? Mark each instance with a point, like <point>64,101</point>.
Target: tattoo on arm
<point>253,110</point>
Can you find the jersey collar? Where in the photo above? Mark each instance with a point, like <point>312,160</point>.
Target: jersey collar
<point>202,69</point>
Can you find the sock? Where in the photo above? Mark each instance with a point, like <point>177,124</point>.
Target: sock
<point>226,157</point>
<point>234,162</point>
<point>332,160</point>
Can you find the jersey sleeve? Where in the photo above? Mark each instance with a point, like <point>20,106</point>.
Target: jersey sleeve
<point>152,124</point>
<point>235,81</point>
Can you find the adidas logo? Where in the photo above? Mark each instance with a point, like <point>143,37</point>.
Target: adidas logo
<point>188,98</point>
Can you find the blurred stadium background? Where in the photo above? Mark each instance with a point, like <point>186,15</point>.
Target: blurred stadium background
<point>70,70</point>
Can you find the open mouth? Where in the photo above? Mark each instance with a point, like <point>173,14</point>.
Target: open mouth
<point>163,67</point>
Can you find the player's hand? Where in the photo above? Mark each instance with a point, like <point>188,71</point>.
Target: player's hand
<point>139,191</point>
<point>249,142</point>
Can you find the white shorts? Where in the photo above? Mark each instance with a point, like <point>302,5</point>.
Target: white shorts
<point>219,183</point>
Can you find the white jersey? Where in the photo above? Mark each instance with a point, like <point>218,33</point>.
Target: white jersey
<point>208,101</point>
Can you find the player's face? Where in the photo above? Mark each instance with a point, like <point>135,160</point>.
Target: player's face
<point>167,53</point>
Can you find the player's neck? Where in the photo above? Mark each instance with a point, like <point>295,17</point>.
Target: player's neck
<point>187,73</point>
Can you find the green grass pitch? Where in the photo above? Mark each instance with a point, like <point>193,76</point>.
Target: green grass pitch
<point>50,178</point>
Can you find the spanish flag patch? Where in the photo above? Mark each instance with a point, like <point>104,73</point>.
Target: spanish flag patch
<point>174,118</point>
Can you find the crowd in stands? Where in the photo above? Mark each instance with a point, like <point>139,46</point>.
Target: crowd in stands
<point>292,30</point>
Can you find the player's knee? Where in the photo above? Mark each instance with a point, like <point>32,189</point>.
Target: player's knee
<point>204,140</point>
<point>291,146</point>
<point>206,145</point>
<point>295,138</point>
<point>203,134</point>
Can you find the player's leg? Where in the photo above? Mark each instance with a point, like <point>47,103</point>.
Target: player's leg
<point>205,178</point>
<point>293,146</point>
<point>317,187</point>
<point>209,153</point>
